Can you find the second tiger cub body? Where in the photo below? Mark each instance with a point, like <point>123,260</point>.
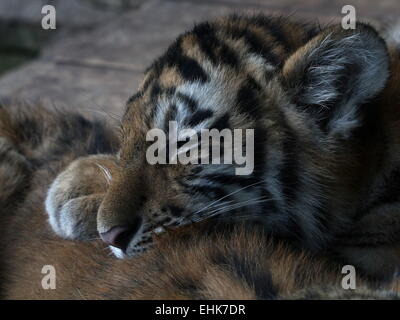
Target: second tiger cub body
<point>323,104</point>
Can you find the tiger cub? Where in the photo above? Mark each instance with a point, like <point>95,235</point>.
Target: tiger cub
<point>232,260</point>
<point>324,107</point>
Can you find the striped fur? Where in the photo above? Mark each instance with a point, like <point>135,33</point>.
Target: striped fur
<point>202,261</point>
<point>325,141</point>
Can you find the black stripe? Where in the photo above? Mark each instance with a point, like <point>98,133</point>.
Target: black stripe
<point>136,96</point>
<point>260,151</point>
<point>175,211</point>
<point>273,26</point>
<point>199,116</point>
<point>225,179</point>
<point>170,115</point>
<point>207,190</point>
<point>247,99</point>
<point>196,169</point>
<point>246,269</point>
<point>289,178</point>
<point>207,40</point>
<point>170,91</point>
<point>189,286</point>
<point>149,81</point>
<point>228,56</point>
<point>221,123</point>
<point>190,102</point>
<point>215,50</point>
<point>155,90</point>
<point>289,173</point>
<point>189,68</point>
<point>254,43</point>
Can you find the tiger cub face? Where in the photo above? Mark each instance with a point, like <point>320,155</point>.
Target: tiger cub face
<point>300,89</point>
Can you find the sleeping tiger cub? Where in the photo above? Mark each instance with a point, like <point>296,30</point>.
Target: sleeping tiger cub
<point>324,106</point>
<point>208,260</point>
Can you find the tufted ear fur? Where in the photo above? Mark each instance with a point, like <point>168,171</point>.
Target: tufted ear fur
<point>335,73</point>
<point>392,35</point>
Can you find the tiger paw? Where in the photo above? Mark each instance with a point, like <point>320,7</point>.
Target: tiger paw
<point>74,197</point>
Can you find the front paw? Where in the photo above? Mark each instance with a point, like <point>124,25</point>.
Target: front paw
<point>75,195</point>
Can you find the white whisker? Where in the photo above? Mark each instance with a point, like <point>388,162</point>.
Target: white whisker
<point>106,172</point>
<point>232,207</point>
<point>228,195</point>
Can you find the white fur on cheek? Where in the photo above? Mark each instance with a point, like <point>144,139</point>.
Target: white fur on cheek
<point>117,252</point>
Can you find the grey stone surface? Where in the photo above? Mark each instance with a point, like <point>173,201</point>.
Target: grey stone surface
<point>70,13</point>
<point>99,68</point>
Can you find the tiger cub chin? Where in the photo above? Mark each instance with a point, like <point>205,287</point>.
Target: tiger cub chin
<point>324,107</point>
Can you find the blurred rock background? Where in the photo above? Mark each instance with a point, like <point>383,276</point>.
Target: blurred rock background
<point>93,61</point>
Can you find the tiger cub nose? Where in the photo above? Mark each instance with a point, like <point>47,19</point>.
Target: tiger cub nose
<point>120,236</point>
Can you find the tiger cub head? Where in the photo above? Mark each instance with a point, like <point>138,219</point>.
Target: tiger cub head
<point>301,111</point>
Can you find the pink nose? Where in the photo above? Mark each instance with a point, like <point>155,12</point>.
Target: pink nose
<point>120,236</point>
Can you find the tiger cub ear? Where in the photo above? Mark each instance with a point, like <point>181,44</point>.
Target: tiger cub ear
<point>337,71</point>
